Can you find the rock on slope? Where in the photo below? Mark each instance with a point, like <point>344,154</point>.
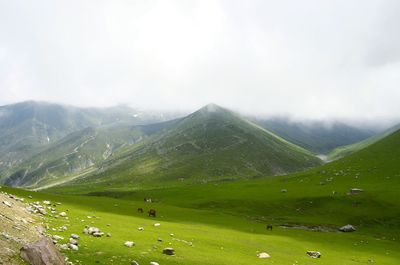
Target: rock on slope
<point>18,228</point>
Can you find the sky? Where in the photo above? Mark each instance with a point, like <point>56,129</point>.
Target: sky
<point>307,59</point>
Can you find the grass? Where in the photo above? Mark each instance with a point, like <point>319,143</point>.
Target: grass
<point>217,238</point>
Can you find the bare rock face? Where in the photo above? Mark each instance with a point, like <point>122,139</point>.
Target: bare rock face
<point>42,252</point>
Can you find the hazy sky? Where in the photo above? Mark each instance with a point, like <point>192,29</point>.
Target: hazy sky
<point>313,59</point>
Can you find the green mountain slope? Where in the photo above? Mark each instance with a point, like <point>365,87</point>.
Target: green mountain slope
<point>212,143</point>
<point>318,137</point>
<point>79,153</point>
<point>319,197</point>
<point>28,128</point>
<point>343,151</point>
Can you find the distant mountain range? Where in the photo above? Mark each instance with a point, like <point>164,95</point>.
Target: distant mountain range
<point>316,136</point>
<point>44,144</point>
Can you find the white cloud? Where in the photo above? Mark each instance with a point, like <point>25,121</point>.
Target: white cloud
<point>314,59</point>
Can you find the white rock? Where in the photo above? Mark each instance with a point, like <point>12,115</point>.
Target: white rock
<point>74,236</point>
<point>263,255</point>
<point>47,202</point>
<point>157,224</point>
<point>140,228</point>
<point>154,263</point>
<point>7,203</point>
<point>73,247</point>
<point>129,244</point>
<point>56,237</point>
<point>63,214</point>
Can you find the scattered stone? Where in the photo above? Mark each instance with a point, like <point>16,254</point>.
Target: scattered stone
<point>63,214</point>
<point>140,228</point>
<point>159,240</point>
<point>64,246</point>
<point>314,254</point>
<point>108,235</point>
<point>154,263</point>
<point>157,224</point>
<point>73,241</point>
<point>347,228</point>
<point>85,231</point>
<point>129,244</point>
<point>92,230</point>
<point>73,247</point>
<point>263,255</point>
<point>355,191</point>
<point>7,203</point>
<point>42,252</point>
<point>283,190</point>
<point>98,234</point>
<point>56,237</point>
<point>168,251</point>
<point>134,262</point>
<point>47,202</point>
<point>74,236</point>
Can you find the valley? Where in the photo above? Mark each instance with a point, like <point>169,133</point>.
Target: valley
<point>215,181</point>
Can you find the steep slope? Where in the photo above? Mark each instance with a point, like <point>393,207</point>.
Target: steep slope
<point>316,136</point>
<point>28,128</point>
<point>343,151</point>
<point>78,153</point>
<point>210,144</point>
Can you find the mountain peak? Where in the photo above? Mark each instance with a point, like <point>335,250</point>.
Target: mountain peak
<point>211,107</point>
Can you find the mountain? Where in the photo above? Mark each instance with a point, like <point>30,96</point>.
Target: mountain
<point>316,136</point>
<point>78,153</point>
<point>28,128</point>
<point>346,150</point>
<point>212,143</point>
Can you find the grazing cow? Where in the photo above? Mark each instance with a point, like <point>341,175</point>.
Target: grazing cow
<point>140,210</point>
<point>152,213</point>
<point>269,227</point>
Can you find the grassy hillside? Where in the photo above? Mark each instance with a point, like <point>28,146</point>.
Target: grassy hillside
<point>79,153</point>
<point>343,151</point>
<point>199,236</point>
<point>212,143</point>
<point>318,137</point>
<point>315,197</point>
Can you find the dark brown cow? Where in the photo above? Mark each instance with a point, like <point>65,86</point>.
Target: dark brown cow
<point>140,210</point>
<point>152,213</point>
<point>269,227</point>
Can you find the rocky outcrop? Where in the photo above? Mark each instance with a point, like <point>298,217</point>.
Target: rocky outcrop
<point>42,252</point>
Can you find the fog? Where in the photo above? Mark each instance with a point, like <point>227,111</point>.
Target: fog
<point>303,59</point>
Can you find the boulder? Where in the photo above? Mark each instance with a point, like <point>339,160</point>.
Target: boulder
<point>98,234</point>
<point>42,252</point>
<point>168,251</point>
<point>73,247</point>
<point>355,191</point>
<point>7,203</point>
<point>129,244</point>
<point>314,254</point>
<point>92,230</point>
<point>74,236</point>
<point>347,228</point>
<point>263,255</point>
<point>73,241</point>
